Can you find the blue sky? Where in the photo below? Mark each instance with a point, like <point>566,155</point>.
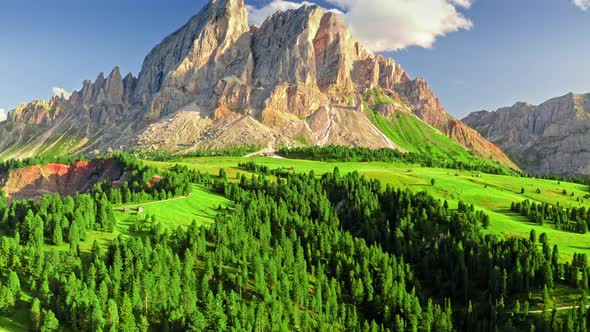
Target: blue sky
<point>515,50</point>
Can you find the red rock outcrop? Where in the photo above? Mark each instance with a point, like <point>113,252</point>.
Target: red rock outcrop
<point>34,181</point>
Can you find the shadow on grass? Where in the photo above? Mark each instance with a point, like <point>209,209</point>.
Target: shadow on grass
<point>18,319</point>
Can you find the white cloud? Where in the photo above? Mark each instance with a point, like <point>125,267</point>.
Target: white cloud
<point>3,114</point>
<point>582,4</point>
<point>258,15</point>
<point>389,25</point>
<point>57,91</point>
<point>463,3</point>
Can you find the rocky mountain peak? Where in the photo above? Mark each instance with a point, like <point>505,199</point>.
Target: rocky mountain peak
<point>548,138</point>
<point>216,82</point>
<point>214,44</point>
<point>184,60</point>
<point>283,47</point>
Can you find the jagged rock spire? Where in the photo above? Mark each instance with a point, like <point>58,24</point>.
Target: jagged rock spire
<point>193,57</point>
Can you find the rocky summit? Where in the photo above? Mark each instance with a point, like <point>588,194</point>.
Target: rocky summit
<point>553,137</point>
<point>298,79</point>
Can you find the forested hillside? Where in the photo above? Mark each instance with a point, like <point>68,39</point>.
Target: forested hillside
<point>295,251</point>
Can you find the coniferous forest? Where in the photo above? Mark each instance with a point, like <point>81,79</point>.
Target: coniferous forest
<point>336,252</point>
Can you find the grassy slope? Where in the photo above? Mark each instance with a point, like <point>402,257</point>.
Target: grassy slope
<point>20,321</point>
<point>494,199</point>
<point>200,206</point>
<point>416,136</point>
<point>56,144</point>
<point>411,133</point>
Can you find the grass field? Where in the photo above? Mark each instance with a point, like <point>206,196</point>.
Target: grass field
<point>200,206</point>
<point>490,193</point>
<point>20,320</point>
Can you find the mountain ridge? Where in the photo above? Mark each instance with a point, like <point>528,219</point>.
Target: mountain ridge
<point>548,138</point>
<point>217,82</point>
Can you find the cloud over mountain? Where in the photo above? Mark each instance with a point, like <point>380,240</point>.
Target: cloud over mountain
<point>389,25</point>
<point>57,91</point>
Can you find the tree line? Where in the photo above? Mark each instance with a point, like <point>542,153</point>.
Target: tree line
<point>362,154</point>
<point>569,219</point>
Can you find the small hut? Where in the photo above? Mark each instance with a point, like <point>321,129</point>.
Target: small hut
<point>126,209</point>
<point>139,210</point>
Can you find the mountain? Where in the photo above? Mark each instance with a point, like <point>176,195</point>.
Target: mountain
<point>553,137</point>
<point>298,79</point>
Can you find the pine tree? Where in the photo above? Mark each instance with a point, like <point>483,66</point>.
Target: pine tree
<point>36,314</point>
<point>49,322</point>
<point>545,298</point>
<point>57,234</point>
<point>112,319</point>
<point>127,316</point>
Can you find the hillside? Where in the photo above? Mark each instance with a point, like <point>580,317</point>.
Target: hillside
<point>549,138</point>
<point>490,193</point>
<point>298,79</point>
<point>221,243</point>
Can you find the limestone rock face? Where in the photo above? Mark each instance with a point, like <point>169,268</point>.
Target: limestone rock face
<point>336,53</point>
<point>424,103</point>
<point>299,78</point>
<point>196,56</point>
<point>549,138</point>
<point>214,44</point>
<point>283,47</point>
<point>38,112</point>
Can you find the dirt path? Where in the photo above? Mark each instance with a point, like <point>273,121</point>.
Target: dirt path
<point>558,309</point>
<point>268,151</point>
<point>154,202</point>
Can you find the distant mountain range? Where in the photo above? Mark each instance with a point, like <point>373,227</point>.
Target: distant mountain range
<point>298,79</point>
<point>553,137</point>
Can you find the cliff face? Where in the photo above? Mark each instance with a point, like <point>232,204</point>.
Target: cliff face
<point>549,138</point>
<point>34,181</point>
<point>299,78</point>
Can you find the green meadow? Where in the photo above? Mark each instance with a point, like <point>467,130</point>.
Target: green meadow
<point>201,206</point>
<point>491,193</point>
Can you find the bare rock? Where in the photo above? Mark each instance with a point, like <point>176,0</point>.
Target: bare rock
<point>549,138</point>
<point>216,82</point>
